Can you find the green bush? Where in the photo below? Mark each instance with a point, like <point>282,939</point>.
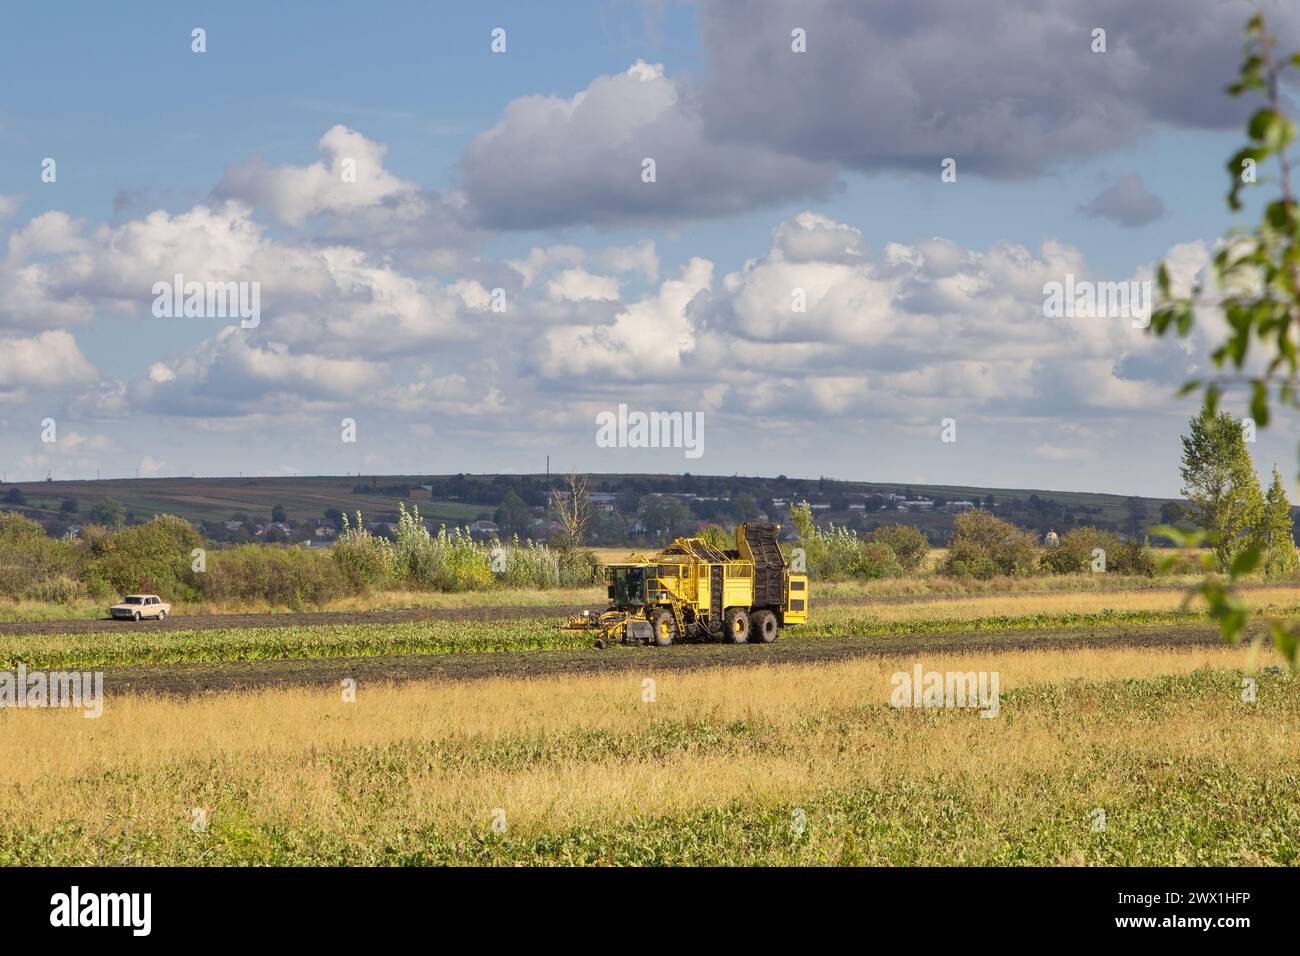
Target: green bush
<point>466,564</point>
<point>985,546</point>
<point>579,569</point>
<point>291,577</point>
<point>154,557</point>
<point>367,561</point>
<point>875,559</point>
<point>716,536</point>
<point>836,553</point>
<point>33,566</point>
<point>909,545</point>
<point>454,561</point>
<point>1074,553</point>
<point>536,565</point>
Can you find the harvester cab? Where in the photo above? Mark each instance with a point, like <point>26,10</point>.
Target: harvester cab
<point>694,591</point>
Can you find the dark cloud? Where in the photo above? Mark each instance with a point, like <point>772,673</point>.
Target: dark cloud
<point>1010,88</point>
<point>1126,202</point>
<point>557,162</point>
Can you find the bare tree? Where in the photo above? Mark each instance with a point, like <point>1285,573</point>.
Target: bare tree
<point>573,506</point>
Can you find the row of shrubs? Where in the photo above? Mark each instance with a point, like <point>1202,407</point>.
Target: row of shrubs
<point>837,553</point>
<point>982,546</point>
<point>163,556</point>
<point>168,556</point>
<point>985,546</point>
<point>454,561</point>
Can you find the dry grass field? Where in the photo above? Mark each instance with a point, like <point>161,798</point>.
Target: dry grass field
<point>794,764</point>
<point>976,607</point>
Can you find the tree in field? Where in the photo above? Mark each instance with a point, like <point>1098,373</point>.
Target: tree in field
<point>716,536</point>
<point>573,508</point>
<point>666,517</point>
<point>746,506</point>
<point>109,513</point>
<point>1172,512</point>
<point>801,516</point>
<point>514,516</point>
<point>1137,517</point>
<point>1275,533</point>
<point>1220,484</point>
<point>1256,288</point>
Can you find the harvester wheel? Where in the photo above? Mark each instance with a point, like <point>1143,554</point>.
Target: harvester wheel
<point>763,627</point>
<point>735,625</point>
<point>665,627</point>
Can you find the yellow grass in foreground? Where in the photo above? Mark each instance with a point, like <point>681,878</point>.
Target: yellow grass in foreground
<point>448,754</point>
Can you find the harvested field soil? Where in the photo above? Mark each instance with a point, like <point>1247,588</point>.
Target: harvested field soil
<point>192,679</point>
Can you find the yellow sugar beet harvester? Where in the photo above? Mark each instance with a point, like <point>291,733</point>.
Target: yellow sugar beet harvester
<point>693,591</point>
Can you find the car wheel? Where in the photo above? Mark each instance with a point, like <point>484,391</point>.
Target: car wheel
<point>162,615</point>
<point>136,617</point>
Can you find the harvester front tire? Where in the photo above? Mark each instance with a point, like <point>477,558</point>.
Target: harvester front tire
<point>763,627</point>
<point>665,627</point>
<point>735,625</point>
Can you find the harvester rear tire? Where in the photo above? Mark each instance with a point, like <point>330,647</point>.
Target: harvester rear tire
<point>763,627</point>
<point>735,625</point>
<point>665,627</point>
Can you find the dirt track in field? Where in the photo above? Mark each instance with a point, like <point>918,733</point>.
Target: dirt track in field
<point>195,679</point>
<point>189,622</point>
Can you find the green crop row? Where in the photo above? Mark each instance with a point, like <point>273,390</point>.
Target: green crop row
<point>143,646</point>
<point>100,649</point>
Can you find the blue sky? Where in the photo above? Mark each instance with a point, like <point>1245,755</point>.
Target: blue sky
<point>669,296</point>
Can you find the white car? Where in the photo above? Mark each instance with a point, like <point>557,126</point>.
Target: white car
<point>138,606</point>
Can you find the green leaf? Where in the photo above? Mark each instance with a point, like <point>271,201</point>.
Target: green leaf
<point>1286,641</point>
<point>1232,619</point>
<point>1278,214</point>
<point>1180,538</point>
<point>1245,562</point>
<point>1259,404</point>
